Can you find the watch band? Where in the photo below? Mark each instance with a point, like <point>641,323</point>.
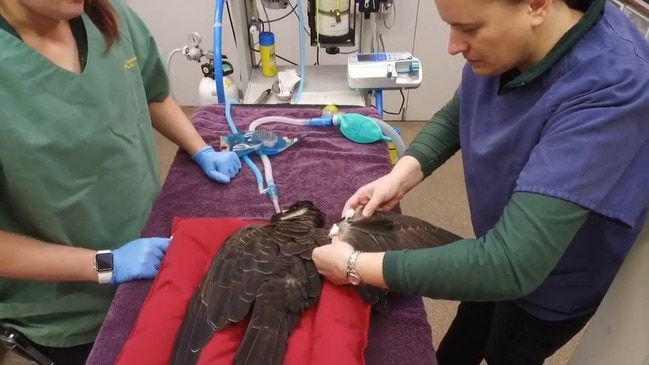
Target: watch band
<point>104,277</point>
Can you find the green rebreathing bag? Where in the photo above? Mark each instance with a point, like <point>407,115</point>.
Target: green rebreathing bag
<point>360,128</point>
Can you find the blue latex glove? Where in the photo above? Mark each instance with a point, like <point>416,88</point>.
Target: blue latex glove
<point>139,259</point>
<point>219,166</point>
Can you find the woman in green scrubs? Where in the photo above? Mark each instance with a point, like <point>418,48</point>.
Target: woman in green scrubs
<point>81,86</point>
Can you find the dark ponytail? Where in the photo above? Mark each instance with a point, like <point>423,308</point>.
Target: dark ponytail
<point>103,15</point>
<point>578,4</point>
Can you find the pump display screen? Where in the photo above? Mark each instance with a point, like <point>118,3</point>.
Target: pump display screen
<point>368,57</point>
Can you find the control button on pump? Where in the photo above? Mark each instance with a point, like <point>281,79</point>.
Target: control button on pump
<point>390,69</point>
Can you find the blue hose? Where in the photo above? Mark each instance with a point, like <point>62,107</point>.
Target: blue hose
<point>324,121</point>
<point>378,94</point>
<point>246,158</point>
<point>218,52</point>
<point>302,52</point>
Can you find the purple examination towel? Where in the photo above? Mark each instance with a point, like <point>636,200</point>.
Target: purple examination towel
<point>325,168</point>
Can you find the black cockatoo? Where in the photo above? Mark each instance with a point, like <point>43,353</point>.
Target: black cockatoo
<point>267,272</point>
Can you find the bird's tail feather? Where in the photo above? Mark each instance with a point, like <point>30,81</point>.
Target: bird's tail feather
<point>263,345</point>
<point>193,335</point>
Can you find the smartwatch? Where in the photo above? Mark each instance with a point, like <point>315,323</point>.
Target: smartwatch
<point>104,266</point>
<point>352,275</point>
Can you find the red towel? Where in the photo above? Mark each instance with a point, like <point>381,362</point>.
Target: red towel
<point>332,332</point>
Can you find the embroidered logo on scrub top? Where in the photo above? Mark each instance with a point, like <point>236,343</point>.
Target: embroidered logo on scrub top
<point>130,63</point>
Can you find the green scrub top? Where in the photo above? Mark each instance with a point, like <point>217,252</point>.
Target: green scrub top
<point>78,166</point>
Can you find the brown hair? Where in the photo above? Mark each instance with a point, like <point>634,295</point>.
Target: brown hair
<point>103,15</point>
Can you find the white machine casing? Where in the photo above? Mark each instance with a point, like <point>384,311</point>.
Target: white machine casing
<point>207,90</point>
<point>392,70</point>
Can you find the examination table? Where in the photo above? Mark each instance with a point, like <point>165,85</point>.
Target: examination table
<point>325,167</point>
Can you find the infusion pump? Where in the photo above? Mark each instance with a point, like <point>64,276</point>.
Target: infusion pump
<point>394,70</point>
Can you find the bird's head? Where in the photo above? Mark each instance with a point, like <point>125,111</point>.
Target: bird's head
<point>300,211</point>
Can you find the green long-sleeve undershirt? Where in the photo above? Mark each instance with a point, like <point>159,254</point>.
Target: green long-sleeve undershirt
<point>511,260</point>
<point>439,140</point>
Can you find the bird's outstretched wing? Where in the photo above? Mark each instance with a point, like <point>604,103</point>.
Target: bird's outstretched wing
<point>389,231</point>
<point>226,292</point>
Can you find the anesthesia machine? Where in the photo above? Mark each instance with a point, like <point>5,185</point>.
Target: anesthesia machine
<point>347,28</point>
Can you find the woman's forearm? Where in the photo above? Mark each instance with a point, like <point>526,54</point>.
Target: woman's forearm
<point>168,119</point>
<point>409,171</point>
<point>369,265</point>
<point>23,257</point>
<point>510,261</point>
